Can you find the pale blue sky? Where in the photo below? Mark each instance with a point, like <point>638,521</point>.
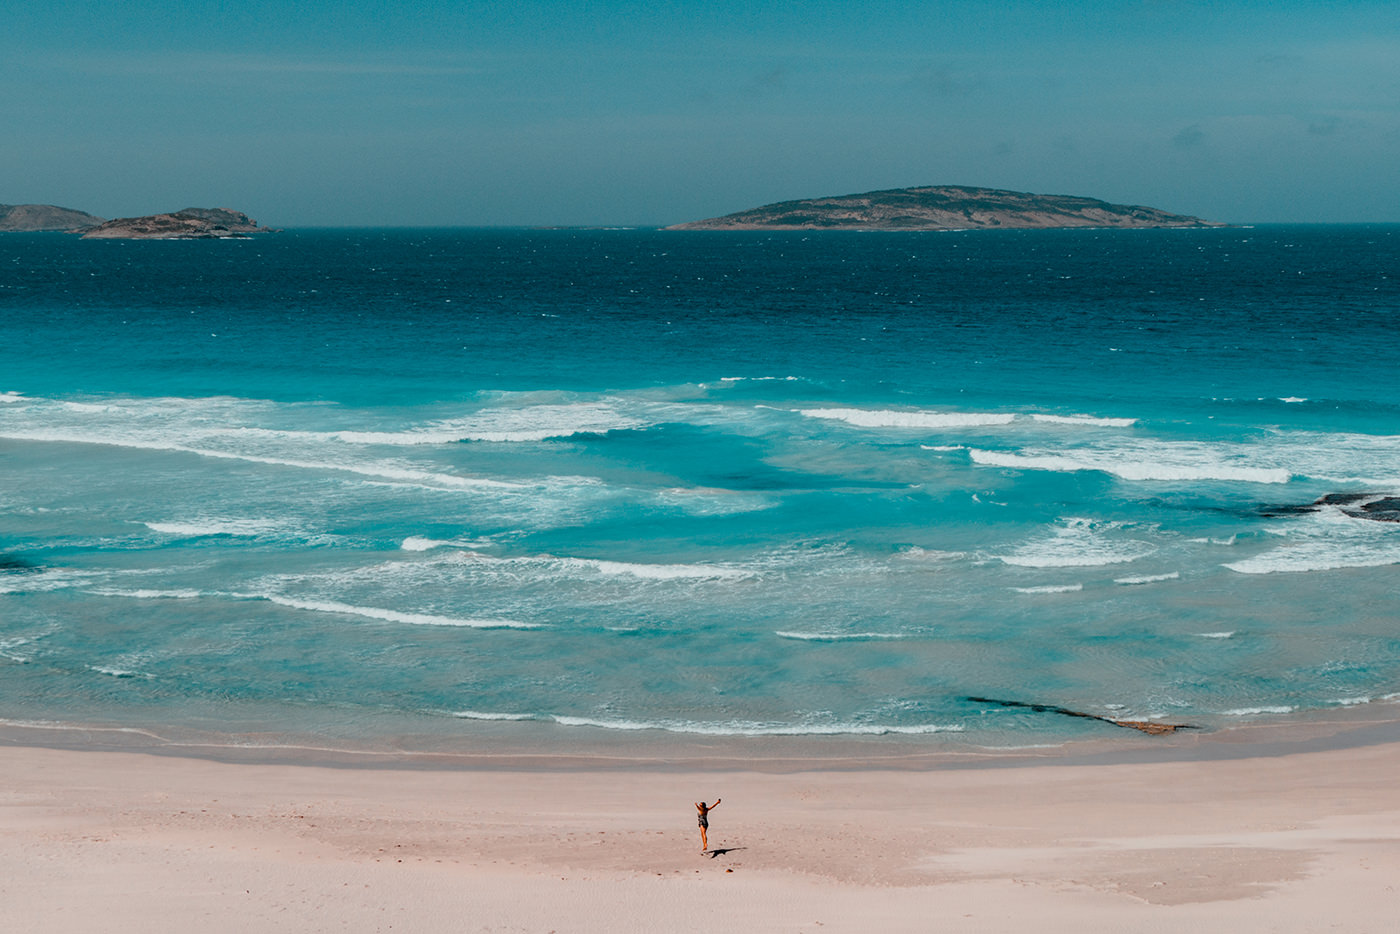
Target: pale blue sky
<point>364,112</point>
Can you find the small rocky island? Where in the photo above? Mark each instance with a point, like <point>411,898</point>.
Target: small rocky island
<point>39,218</point>
<point>189,224</point>
<point>944,207</point>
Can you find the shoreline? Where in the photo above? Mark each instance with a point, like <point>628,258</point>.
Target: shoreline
<point>530,747</point>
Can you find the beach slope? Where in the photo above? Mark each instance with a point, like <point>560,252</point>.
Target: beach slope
<point>133,842</point>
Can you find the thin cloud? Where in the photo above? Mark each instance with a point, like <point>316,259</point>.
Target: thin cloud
<point>938,81</point>
<point>189,63</point>
<point>1189,137</point>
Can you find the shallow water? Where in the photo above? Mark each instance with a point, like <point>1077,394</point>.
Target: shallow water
<point>364,484</point>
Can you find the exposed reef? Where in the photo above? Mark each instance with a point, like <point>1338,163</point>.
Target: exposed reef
<point>1151,727</point>
<point>944,207</point>
<point>1378,507</point>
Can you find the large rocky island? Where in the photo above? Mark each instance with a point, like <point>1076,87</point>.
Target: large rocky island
<point>36,218</point>
<point>943,207</point>
<point>189,224</point>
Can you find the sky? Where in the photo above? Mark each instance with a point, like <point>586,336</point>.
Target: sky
<point>613,112</point>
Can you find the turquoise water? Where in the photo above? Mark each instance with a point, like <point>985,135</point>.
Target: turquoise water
<point>365,485</point>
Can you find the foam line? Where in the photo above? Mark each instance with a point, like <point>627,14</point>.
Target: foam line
<point>892,418</point>
<point>394,616</point>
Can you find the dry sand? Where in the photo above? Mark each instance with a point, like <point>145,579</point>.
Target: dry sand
<point>117,841</point>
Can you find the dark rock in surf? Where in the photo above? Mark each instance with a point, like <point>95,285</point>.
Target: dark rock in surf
<point>1150,727</point>
<point>1378,507</point>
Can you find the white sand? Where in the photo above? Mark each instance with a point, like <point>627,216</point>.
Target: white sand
<point>130,842</point>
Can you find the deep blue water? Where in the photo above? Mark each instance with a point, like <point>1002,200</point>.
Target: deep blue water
<point>378,483</point>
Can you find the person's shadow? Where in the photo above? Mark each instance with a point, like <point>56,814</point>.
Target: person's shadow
<point>721,850</point>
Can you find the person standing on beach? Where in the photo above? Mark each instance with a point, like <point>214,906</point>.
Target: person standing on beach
<point>704,821</point>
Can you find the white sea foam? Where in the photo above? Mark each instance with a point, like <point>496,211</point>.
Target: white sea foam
<point>898,418</point>
<point>419,543</point>
<point>1088,421</point>
<point>1324,541</point>
<point>149,594</point>
<point>711,501</point>
<point>1077,544</point>
<point>759,379</point>
<point>554,566</point>
<point>7,398</point>
<point>1256,711</point>
<point>838,636</point>
<point>1051,588</point>
<point>200,527</point>
<point>1217,635</point>
<point>7,647</point>
<point>1169,463</point>
<point>1298,559</point>
<point>45,580</point>
<point>659,571</point>
<point>508,424</point>
<point>118,672</point>
<point>394,616</point>
<point>481,715</point>
<point>1352,701</point>
<point>1292,399</point>
<point>750,728</point>
<point>1147,578</point>
<point>377,470</point>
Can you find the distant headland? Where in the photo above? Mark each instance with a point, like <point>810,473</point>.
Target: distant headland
<point>188,224</point>
<point>36,218</point>
<point>944,207</point>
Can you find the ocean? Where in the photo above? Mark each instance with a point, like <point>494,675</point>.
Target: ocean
<point>416,489</point>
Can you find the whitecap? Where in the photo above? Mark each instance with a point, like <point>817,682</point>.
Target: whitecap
<point>1051,588</point>
<point>1147,578</point>
<point>483,715</point>
<point>1088,421</point>
<point>149,594</point>
<point>118,672</point>
<point>1078,544</point>
<point>901,418</point>
<point>1166,464</point>
<point>1328,542</point>
<point>658,571</point>
<point>553,565</point>
<point>381,471</point>
<point>420,543</point>
<point>394,616</point>
<point>1256,711</point>
<point>507,425</point>
<point>201,527</point>
<point>838,636</point>
<point>1217,635</point>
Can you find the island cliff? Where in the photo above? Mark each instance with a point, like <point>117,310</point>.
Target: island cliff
<point>33,218</point>
<point>943,207</point>
<point>189,224</point>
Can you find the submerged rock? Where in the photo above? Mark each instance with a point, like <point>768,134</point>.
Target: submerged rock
<point>1150,727</point>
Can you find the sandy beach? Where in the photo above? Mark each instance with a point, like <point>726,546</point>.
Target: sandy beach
<point>1220,836</point>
